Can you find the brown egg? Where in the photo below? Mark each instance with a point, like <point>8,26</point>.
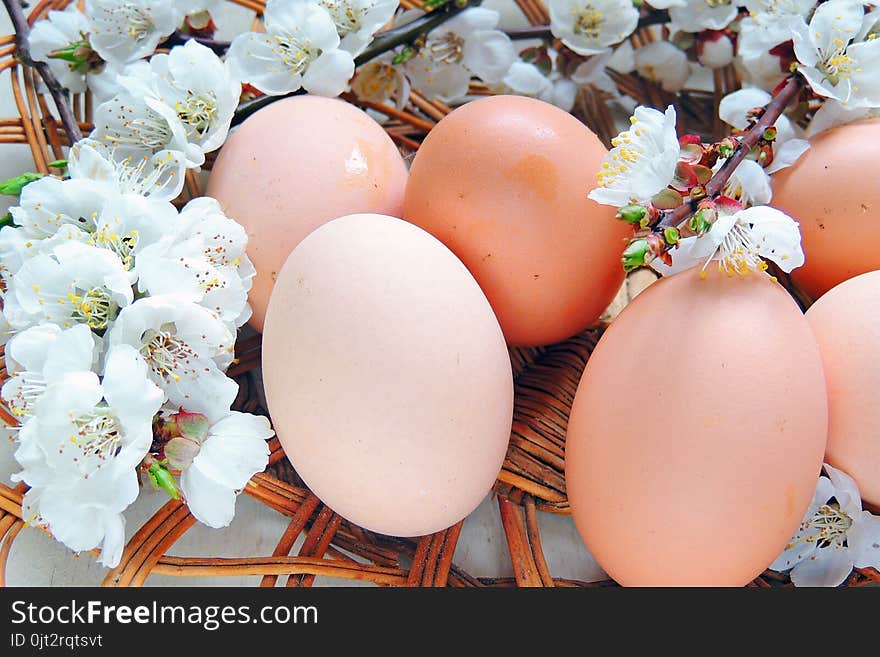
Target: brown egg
<point>503,182</point>
<point>846,322</point>
<point>833,190</point>
<point>295,165</point>
<point>697,432</point>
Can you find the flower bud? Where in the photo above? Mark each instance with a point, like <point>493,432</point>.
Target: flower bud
<point>632,214</point>
<point>636,255</point>
<point>702,220</point>
<point>714,49</point>
<point>161,478</point>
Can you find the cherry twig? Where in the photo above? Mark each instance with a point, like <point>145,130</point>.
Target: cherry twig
<point>747,141</point>
<point>59,94</point>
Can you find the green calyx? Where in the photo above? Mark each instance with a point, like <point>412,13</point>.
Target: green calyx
<point>160,477</point>
<point>636,255</point>
<point>632,214</point>
<point>79,55</point>
<point>701,222</point>
<point>671,236</point>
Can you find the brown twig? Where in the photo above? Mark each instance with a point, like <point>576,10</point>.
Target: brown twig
<point>59,95</point>
<point>747,142</point>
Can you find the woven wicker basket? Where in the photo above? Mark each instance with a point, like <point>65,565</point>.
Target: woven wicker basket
<point>546,378</point>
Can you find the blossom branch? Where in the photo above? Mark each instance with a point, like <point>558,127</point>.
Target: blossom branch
<point>179,37</point>
<point>747,141</point>
<point>59,94</point>
<point>384,42</point>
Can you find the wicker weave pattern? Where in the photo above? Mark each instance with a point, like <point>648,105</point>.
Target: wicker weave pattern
<point>532,478</point>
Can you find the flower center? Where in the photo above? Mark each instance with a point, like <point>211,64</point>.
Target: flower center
<point>149,130</point>
<point>97,439</point>
<point>122,245</point>
<point>348,18</point>
<point>589,22</point>
<point>31,386</point>
<point>94,307</point>
<point>738,253</point>
<point>167,355</point>
<point>198,111</point>
<point>834,62</point>
<point>832,523</point>
<point>378,81</point>
<point>449,49</point>
<point>296,52</point>
<point>627,152</point>
<point>140,23</point>
<point>712,4</point>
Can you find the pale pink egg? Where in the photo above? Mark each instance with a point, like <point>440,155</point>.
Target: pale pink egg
<point>697,432</point>
<point>846,321</point>
<point>387,376</point>
<point>295,165</point>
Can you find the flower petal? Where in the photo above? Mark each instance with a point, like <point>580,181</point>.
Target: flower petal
<point>863,538</point>
<point>826,567</point>
<point>210,502</point>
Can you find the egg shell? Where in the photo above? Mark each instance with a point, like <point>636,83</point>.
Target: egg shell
<point>833,190</point>
<point>387,376</point>
<point>503,182</point>
<point>295,165</point>
<point>846,322</point>
<point>697,432</point>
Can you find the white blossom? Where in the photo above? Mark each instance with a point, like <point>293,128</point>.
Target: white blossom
<point>74,284</point>
<point>216,466</point>
<point>80,449</point>
<point>642,161</point>
<point>48,204</point>
<point>590,26</point>
<point>61,30</point>
<point>204,257</point>
<point>381,81</point>
<point>300,48</point>
<point>139,124</point>
<point>739,241</point>
<point>40,356</point>
<point>358,20</point>
<point>158,176</point>
<point>835,535</point>
<point>465,46</point>
<point>663,63</point>
<point>123,31</point>
<point>833,59</point>
<point>699,15</point>
<point>186,347</point>
<point>196,85</point>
